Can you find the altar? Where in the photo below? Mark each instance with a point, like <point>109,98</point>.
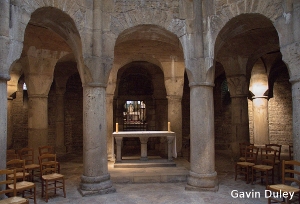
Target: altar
<point>144,135</point>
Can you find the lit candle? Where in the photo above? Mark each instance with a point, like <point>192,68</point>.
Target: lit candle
<point>117,127</point>
<point>169,127</point>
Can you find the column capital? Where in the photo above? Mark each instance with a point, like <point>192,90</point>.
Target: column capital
<point>238,86</point>
<point>194,84</point>
<point>96,84</point>
<point>37,96</point>
<point>174,97</point>
<point>4,77</point>
<point>294,80</point>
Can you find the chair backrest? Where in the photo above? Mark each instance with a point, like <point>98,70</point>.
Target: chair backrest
<point>10,151</point>
<point>277,147</point>
<point>290,171</point>
<point>8,180</point>
<point>251,153</point>
<point>268,156</point>
<point>48,164</point>
<point>27,154</point>
<point>19,166</point>
<point>47,149</point>
<point>243,146</point>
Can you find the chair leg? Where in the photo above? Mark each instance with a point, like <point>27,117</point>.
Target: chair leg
<point>46,189</point>
<point>34,195</point>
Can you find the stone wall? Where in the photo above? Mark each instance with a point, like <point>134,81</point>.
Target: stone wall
<point>281,113</point>
<point>20,121</point>
<point>222,117</point>
<point>73,115</point>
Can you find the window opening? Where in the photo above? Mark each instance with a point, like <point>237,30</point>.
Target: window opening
<point>134,116</point>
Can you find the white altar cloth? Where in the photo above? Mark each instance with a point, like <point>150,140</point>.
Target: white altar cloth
<point>147,134</point>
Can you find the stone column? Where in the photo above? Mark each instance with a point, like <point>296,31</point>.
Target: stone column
<point>110,126</point>
<point>3,120</point>
<point>95,178</point>
<point>239,112</point>
<point>37,122</point>
<point>259,89</point>
<point>175,118</point>
<point>60,147</point>
<point>296,117</point>
<point>202,175</point>
<point>4,77</point>
<point>260,120</point>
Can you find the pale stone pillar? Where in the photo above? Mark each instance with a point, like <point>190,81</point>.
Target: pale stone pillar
<point>202,174</point>
<point>175,118</point>
<point>3,124</point>
<point>260,121</point>
<point>60,147</point>
<point>37,122</point>
<point>95,178</point>
<point>110,127</point>
<point>259,89</point>
<point>3,120</point>
<point>296,117</point>
<point>239,112</point>
<point>9,121</point>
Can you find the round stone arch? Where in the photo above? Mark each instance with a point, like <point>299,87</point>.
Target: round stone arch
<point>133,18</point>
<point>273,10</point>
<point>67,19</point>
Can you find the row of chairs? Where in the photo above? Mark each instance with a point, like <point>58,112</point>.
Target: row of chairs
<point>27,154</point>
<point>48,171</point>
<point>250,165</point>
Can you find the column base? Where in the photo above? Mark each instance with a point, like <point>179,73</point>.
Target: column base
<point>96,185</point>
<point>202,182</point>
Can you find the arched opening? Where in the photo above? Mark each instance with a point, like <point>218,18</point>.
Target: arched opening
<point>248,41</point>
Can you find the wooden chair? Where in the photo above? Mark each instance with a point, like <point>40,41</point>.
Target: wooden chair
<point>27,154</point>
<point>245,167</point>
<point>243,146</point>
<point>50,179</point>
<point>288,177</point>
<point>11,154</point>
<point>10,191</point>
<point>25,187</point>
<point>277,159</point>
<point>18,165</point>
<point>48,149</point>
<point>266,168</point>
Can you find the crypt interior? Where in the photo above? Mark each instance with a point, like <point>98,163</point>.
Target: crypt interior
<point>219,80</point>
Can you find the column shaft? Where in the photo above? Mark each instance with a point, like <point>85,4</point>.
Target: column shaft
<point>60,147</point>
<point>37,122</point>
<point>260,121</point>
<point>95,178</point>
<point>239,123</point>
<point>202,174</point>
<point>3,122</point>
<point>296,119</point>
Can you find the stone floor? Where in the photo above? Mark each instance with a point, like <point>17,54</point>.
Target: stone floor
<point>133,187</point>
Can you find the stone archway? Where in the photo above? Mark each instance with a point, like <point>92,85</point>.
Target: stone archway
<point>245,42</point>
